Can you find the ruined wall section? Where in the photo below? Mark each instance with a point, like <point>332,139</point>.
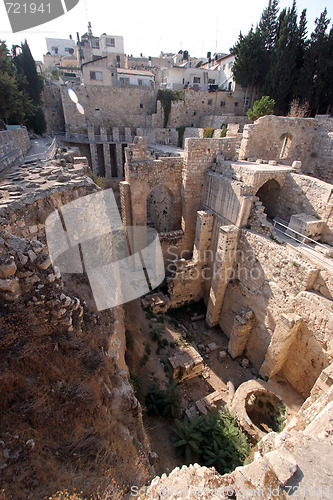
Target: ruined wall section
<point>202,109</point>
<point>62,364</point>
<point>286,140</point>
<point>200,155</point>
<point>304,194</point>
<point>108,107</point>
<point>52,107</point>
<point>272,282</point>
<point>144,174</point>
<point>13,145</point>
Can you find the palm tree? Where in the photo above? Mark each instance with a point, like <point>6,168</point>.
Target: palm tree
<point>187,438</point>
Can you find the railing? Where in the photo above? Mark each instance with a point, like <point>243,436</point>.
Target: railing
<point>301,239</point>
<point>47,155</point>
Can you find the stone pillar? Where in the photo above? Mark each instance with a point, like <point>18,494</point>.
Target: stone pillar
<point>222,272</point>
<point>94,158</point>
<point>115,134</point>
<point>241,329</point>
<point>199,156</point>
<point>120,161</point>
<point>91,133</point>
<point>128,134</point>
<point>203,234</point>
<point>278,349</point>
<point>126,205</point>
<point>106,153</point>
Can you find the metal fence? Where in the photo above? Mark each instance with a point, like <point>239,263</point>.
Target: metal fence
<point>302,240</point>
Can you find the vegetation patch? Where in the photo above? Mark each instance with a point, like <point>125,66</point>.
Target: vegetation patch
<point>213,440</point>
<point>166,96</point>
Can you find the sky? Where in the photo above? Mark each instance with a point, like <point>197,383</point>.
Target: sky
<point>150,26</point>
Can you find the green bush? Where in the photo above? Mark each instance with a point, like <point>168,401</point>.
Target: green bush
<point>208,132</point>
<point>215,438</point>
<point>223,132</point>
<point>139,387</point>
<point>165,402</point>
<point>265,106</point>
<point>181,131</point>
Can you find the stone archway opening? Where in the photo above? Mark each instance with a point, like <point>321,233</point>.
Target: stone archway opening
<point>160,209</point>
<point>268,194</point>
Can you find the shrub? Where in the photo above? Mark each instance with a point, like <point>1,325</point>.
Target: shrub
<point>139,387</point>
<point>265,106</point>
<point>223,132</point>
<point>215,438</point>
<point>208,133</point>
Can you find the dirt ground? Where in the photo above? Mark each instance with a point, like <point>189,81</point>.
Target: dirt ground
<point>178,329</point>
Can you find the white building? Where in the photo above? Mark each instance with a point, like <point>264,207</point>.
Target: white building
<point>60,46</point>
<point>180,77</point>
<point>138,77</point>
<point>224,65</point>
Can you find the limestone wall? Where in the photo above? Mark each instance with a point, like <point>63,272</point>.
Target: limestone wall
<point>290,331</point>
<point>52,106</point>
<point>13,144</point>
<point>197,106</point>
<point>200,154</point>
<point>108,107</point>
<point>286,139</point>
<point>144,177</point>
<point>304,194</point>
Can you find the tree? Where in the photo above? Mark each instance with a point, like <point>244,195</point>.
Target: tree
<point>187,437</point>
<point>265,106</point>
<point>25,65</point>
<point>279,60</point>
<point>319,66</point>
<point>268,25</point>
<point>14,103</point>
<point>249,67</point>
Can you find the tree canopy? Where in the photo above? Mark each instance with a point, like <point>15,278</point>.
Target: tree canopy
<point>278,59</point>
<point>20,88</point>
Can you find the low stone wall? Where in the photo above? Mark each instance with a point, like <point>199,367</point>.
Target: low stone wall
<point>13,145</point>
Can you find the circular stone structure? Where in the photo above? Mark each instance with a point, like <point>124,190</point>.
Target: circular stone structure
<point>257,408</point>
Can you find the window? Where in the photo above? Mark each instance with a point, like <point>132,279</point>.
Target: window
<point>246,101</point>
<point>95,44</point>
<point>123,79</point>
<point>196,79</point>
<point>96,75</point>
<point>211,80</point>
<point>230,65</point>
<point>68,49</point>
<point>222,104</point>
<point>110,42</point>
<point>223,67</point>
<point>55,49</point>
<point>140,82</point>
<point>236,104</point>
<point>141,106</point>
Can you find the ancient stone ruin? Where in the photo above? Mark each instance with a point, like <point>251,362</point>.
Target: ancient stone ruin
<point>245,224</point>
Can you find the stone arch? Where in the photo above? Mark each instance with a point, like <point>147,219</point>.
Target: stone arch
<point>160,208</point>
<point>268,194</point>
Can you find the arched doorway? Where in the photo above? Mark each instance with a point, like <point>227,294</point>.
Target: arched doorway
<point>160,209</point>
<point>268,194</point>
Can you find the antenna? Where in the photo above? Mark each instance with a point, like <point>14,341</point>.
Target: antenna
<point>217,28</point>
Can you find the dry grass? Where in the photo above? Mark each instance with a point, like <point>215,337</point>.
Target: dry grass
<point>61,427</point>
